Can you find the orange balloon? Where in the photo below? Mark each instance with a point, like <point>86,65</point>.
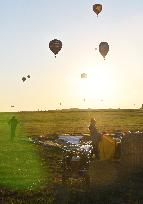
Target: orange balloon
<point>97,8</point>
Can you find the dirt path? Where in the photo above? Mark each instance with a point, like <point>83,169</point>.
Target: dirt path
<point>103,173</point>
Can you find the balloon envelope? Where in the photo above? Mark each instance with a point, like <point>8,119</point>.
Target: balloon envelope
<point>28,76</point>
<point>23,79</point>
<point>83,75</point>
<point>103,48</point>
<point>55,46</point>
<point>97,8</point>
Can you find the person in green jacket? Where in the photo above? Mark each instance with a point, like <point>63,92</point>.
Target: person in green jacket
<point>13,124</point>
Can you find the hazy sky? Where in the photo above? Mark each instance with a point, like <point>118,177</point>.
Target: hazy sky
<point>27,26</point>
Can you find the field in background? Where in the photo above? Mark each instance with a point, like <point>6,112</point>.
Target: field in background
<point>36,123</point>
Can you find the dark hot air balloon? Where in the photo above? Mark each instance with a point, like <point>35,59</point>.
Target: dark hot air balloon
<point>55,46</point>
<point>23,79</point>
<point>103,48</point>
<point>97,8</point>
<point>28,76</point>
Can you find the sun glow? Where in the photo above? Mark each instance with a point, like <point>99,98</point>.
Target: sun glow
<point>100,83</point>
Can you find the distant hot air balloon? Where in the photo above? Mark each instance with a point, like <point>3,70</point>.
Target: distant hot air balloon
<point>83,75</point>
<point>55,46</point>
<point>97,8</point>
<point>84,99</point>
<point>12,106</point>
<point>28,76</point>
<point>103,48</point>
<point>23,79</point>
<point>60,103</point>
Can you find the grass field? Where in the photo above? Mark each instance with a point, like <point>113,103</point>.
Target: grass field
<point>24,166</point>
<point>35,123</point>
<point>20,166</point>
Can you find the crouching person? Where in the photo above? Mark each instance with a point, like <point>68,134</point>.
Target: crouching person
<point>95,137</point>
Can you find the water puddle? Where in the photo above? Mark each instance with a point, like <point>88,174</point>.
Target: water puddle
<point>71,139</point>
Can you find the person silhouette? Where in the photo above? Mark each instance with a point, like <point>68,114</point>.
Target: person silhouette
<point>95,138</point>
<point>13,124</point>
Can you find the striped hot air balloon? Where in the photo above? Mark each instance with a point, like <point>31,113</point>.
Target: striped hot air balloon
<point>55,46</point>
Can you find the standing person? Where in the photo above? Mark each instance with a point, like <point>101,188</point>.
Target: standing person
<point>95,137</point>
<point>13,124</point>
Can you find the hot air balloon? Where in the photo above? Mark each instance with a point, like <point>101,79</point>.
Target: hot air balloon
<point>28,76</point>
<point>55,46</point>
<point>23,79</point>
<point>83,75</point>
<point>12,106</point>
<point>103,48</point>
<point>97,8</point>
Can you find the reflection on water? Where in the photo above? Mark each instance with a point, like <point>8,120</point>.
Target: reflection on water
<point>71,139</point>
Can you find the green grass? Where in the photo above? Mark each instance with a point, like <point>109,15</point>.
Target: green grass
<point>21,165</point>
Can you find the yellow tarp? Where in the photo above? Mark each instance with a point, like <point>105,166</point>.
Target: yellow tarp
<point>106,148</point>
